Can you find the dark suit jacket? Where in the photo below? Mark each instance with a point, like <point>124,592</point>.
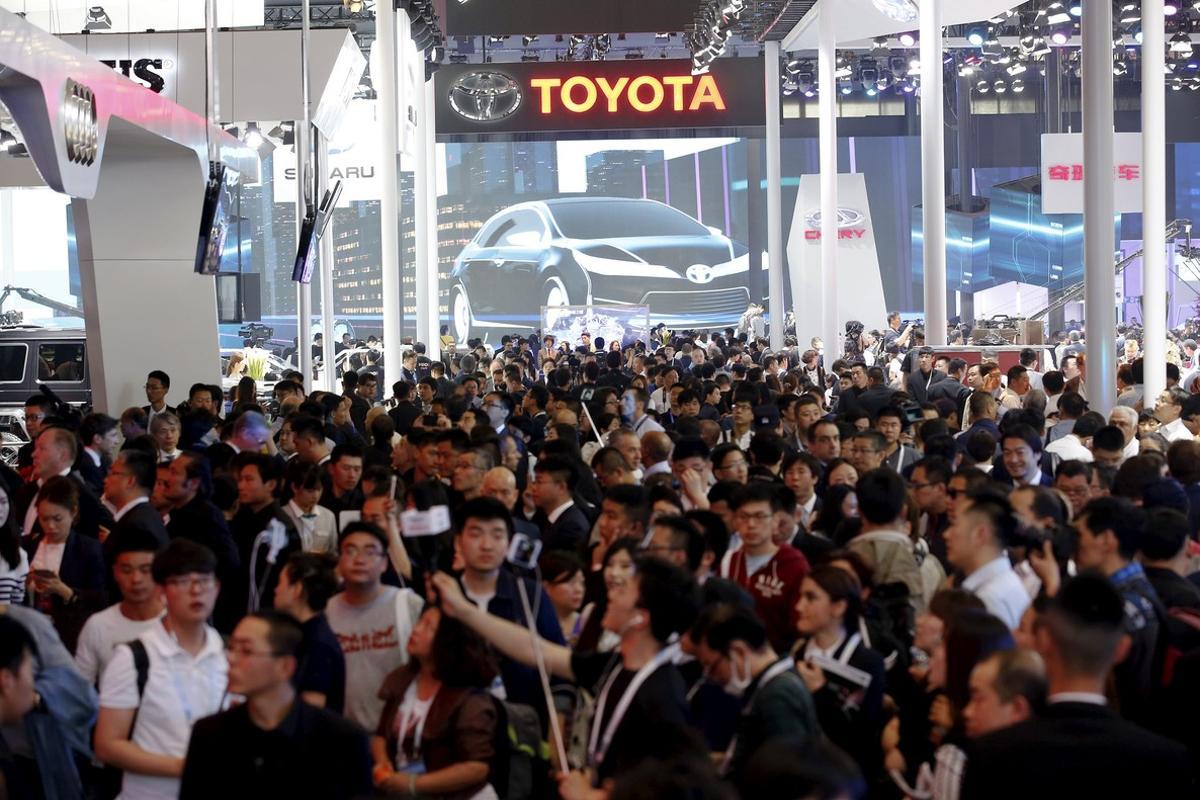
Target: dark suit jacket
<point>82,569</point>
<point>142,517</point>
<point>874,399</point>
<point>203,523</point>
<point>569,532</point>
<point>92,475</point>
<point>1076,750</point>
<point>950,389</point>
<point>403,415</point>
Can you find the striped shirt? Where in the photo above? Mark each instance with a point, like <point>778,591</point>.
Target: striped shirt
<point>12,581</point>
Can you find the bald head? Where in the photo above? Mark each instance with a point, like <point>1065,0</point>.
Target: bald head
<point>499,483</point>
<point>656,447</point>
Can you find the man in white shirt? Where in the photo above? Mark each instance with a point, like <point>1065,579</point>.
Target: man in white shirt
<point>147,712</point>
<point>1126,419</point>
<point>633,407</point>
<point>975,545</point>
<point>1074,445</point>
<point>1168,411</point>
<point>316,524</point>
<point>660,399</point>
<point>140,609</point>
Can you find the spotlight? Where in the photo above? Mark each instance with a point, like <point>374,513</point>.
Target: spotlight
<point>1060,36</point>
<point>529,39</point>
<point>1018,86</point>
<point>976,35</point>
<point>965,71</point>
<point>880,48</point>
<point>1181,44</point>
<point>1016,68</point>
<point>1041,47</point>
<point>1120,67</point>
<point>983,87</point>
<point>1075,8</point>
<point>8,142</point>
<point>662,37</point>
<point>1000,87</point>
<point>845,85</point>
<point>497,39</point>
<point>634,55</point>
<point>528,56</point>
<point>1130,13</point>
<point>1056,14</point>
<point>1170,8</point>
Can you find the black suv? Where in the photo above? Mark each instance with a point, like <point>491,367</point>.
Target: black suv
<point>31,356</point>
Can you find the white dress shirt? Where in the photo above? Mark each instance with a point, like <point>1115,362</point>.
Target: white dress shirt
<point>1002,593</point>
<point>1176,431</point>
<point>1069,448</point>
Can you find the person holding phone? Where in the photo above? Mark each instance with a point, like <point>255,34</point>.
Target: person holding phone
<point>67,574</point>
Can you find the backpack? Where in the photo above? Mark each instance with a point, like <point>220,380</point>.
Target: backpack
<point>106,780</point>
<point>522,755</point>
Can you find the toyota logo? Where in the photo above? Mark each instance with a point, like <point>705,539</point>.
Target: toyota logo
<point>485,96</point>
<point>847,218</point>
<point>699,273</point>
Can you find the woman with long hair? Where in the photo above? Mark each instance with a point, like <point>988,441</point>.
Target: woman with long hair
<point>437,734</point>
<point>618,568</point>
<point>839,504</point>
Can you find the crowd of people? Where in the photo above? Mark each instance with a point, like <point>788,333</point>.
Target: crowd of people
<point>692,568</point>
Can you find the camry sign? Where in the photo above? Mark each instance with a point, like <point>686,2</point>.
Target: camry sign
<point>601,95</point>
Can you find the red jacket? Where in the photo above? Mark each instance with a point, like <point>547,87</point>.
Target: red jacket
<point>775,589</point>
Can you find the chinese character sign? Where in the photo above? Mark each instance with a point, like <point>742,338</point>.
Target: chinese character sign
<point>1063,178</point>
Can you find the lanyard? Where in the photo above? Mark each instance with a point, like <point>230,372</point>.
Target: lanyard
<point>416,719</point>
<point>597,746</point>
<point>774,671</point>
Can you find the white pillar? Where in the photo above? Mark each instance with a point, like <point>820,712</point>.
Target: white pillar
<point>304,290</point>
<point>829,325</point>
<point>933,172</point>
<point>326,259</point>
<point>433,335</point>
<point>384,78</point>
<point>1154,202</point>
<point>1098,204</point>
<point>421,178</point>
<point>775,304</point>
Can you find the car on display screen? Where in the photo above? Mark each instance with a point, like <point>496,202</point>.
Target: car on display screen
<point>582,251</point>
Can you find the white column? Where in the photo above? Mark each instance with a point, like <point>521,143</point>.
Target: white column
<point>328,302</point>
<point>304,290</point>
<point>389,203</point>
<point>933,172</point>
<point>1098,204</point>
<point>421,178</point>
<point>829,325</point>
<point>433,337</point>
<point>775,304</point>
<point>1154,202</point>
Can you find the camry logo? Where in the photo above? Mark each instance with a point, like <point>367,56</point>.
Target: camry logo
<point>485,96</point>
<point>847,218</point>
<point>699,273</point>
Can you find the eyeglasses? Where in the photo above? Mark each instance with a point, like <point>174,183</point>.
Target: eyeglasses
<point>191,582</point>
<point>761,516</point>
<point>351,551</point>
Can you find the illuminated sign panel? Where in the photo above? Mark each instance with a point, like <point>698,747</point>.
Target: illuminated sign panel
<point>600,95</point>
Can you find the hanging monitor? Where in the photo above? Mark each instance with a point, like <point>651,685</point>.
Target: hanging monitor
<point>311,230</point>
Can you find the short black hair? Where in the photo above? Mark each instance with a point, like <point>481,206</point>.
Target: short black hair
<point>756,492</point>
<point>94,425</point>
<point>684,536</point>
<point>369,528</point>
<point>284,634</point>
<point>268,467</point>
<point>15,642</point>
<point>134,540</point>
<point>881,496</point>
<point>183,557</point>
<point>721,624</point>
<point>669,594</point>
<point>143,468</point>
<point>1166,534</point>
<point>559,468</point>
<point>161,376</point>
<point>485,509</point>
<point>1116,514</point>
<point>1026,434</point>
<point>345,450</point>
<point>1109,438</point>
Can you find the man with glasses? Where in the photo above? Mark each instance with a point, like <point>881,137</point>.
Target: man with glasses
<point>865,451</point>
<point>158,383</point>
<point>930,486</point>
<point>38,409</point>
<point>770,572</point>
<point>274,744</point>
<point>372,621</point>
<point>127,489</point>
<point>157,686</point>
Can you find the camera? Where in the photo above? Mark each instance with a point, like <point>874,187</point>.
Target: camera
<point>523,552</point>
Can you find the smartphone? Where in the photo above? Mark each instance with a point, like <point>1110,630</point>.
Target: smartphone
<point>524,552</point>
<point>44,574</point>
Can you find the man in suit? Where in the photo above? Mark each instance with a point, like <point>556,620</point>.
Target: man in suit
<point>191,515</point>
<point>1078,747</point>
<point>54,453</point>
<point>925,377</point>
<point>127,489</point>
<point>158,383</point>
<point>38,409</point>
<point>564,526</point>
<point>251,432</point>
<point>877,395</point>
<point>101,439</point>
<point>405,411</point>
<point>953,388</point>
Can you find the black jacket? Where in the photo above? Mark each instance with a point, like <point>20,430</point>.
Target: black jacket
<point>403,415</point>
<point>92,474</point>
<point>313,753</point>
<point>142,517</point>
<point>919,384</point>
<point>569,532</point>
<point>82,569</point>
<point>874,399</point>
<point>258,565</point>
<point>1075,750</point>
<point>203,523</point>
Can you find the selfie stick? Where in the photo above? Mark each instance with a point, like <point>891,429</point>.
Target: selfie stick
<point>588,414</point>
<point>535,640</point>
